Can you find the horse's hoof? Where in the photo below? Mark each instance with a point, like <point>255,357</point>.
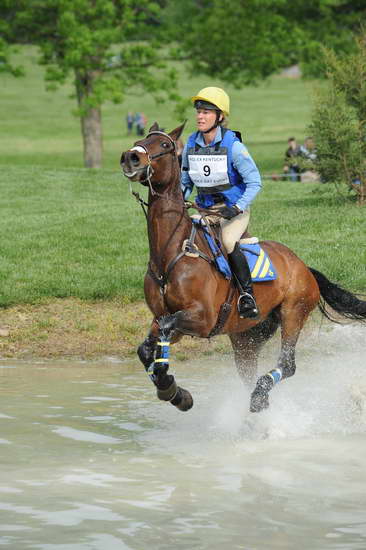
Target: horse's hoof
<point>259,400</point>
<point>182,400</point>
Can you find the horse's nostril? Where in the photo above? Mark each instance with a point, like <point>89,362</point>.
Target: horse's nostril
<point>130,158</point>
<point>135,159</point>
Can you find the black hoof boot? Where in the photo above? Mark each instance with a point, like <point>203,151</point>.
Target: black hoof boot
<point>247,306</point>
<point>177,396</point>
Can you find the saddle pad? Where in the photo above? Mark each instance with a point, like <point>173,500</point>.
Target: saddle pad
<point>259,262</point>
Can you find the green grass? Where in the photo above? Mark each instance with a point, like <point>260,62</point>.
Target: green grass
<point>79,233</point>
<point>68,231</point>
<point>64,233</point>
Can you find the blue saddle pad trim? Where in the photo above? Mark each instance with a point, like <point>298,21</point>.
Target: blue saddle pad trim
<point>259,263</point>
<point>258,260</point>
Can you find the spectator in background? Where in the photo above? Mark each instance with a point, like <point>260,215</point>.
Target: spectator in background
<point>137,123</point>
<point>308,156</point>
<point>308,151</point>
<point>141,121</point>
<point>291,168</point>
<point>129,121</point>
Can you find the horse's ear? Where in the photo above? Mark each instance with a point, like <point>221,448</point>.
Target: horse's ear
<point>175,134</point>
<point>154,127</point>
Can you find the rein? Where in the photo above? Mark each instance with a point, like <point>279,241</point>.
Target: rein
<point>187,205</point>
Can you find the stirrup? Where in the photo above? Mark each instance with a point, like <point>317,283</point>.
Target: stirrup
<point>247,306</point>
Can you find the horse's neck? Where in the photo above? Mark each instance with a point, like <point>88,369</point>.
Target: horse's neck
<point>168,225</point>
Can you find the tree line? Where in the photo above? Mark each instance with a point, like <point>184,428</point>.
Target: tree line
<point>111,46</point>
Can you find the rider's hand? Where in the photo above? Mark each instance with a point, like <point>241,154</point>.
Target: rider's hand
<point>229,212</point>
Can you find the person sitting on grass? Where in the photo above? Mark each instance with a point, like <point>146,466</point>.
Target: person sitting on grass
<point>308,150</point>
<point>291,168</point>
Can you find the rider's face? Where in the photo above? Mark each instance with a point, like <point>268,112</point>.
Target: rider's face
<point>205,119</point>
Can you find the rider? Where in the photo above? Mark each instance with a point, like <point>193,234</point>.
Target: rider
<point>227,180</point>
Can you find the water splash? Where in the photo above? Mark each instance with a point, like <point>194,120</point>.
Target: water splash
<point>326,396</point>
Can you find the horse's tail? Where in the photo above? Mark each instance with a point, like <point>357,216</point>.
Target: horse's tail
<point>342,301</point>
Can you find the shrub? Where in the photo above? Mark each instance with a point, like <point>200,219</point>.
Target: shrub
<point>339,121</point>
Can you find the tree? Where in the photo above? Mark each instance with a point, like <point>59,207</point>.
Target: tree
<point>102,44</point>
<point>6,66</point>
<point>339,120</point>
<point>243,42</point>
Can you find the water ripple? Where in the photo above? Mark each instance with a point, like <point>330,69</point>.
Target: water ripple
<point>83,435</point>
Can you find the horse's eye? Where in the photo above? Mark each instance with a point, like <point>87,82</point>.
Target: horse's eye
<point>165,144</point>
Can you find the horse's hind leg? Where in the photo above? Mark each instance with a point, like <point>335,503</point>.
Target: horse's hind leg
<point>293,317</point>
<point>246,346</point>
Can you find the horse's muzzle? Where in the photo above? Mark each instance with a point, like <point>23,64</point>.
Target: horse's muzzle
<point>133,163</point>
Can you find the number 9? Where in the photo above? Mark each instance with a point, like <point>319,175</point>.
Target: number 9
<point>206,170</point>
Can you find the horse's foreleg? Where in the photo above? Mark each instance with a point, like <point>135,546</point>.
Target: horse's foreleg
<point>154,353</point>
<point>146,350</point>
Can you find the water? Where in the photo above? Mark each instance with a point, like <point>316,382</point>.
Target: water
<point>90,459</point>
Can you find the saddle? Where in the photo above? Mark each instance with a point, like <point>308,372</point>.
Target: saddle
<point>258,260</point>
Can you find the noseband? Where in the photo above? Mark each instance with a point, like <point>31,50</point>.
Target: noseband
<point>149,169</point>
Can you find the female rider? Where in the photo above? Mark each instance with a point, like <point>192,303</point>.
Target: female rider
<point>227,181</point>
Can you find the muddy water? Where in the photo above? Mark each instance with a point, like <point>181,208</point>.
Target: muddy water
<point>91,460</point>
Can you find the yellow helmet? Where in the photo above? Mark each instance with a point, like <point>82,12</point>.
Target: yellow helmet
<point>216,96</point>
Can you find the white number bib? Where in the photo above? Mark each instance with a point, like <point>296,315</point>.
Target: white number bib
<point>208,170</point>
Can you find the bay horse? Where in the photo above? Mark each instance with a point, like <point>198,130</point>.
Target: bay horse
<point>188,296</point>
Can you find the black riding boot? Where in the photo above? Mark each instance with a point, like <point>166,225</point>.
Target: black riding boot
<point>247,306</point>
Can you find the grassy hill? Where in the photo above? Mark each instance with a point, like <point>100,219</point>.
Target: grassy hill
<point>67,231</point>
<point>38,127</point>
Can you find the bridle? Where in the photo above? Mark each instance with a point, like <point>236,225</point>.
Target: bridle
<point>138,147</point>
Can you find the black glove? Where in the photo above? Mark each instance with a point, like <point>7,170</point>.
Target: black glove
<point>229,212</point>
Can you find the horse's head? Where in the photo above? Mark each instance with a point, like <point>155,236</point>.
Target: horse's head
<point>153,160</point>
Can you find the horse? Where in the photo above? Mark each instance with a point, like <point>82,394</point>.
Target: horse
<point>188,296</point>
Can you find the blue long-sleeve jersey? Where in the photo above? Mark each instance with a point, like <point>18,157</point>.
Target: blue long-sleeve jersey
<point>242,162</point>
